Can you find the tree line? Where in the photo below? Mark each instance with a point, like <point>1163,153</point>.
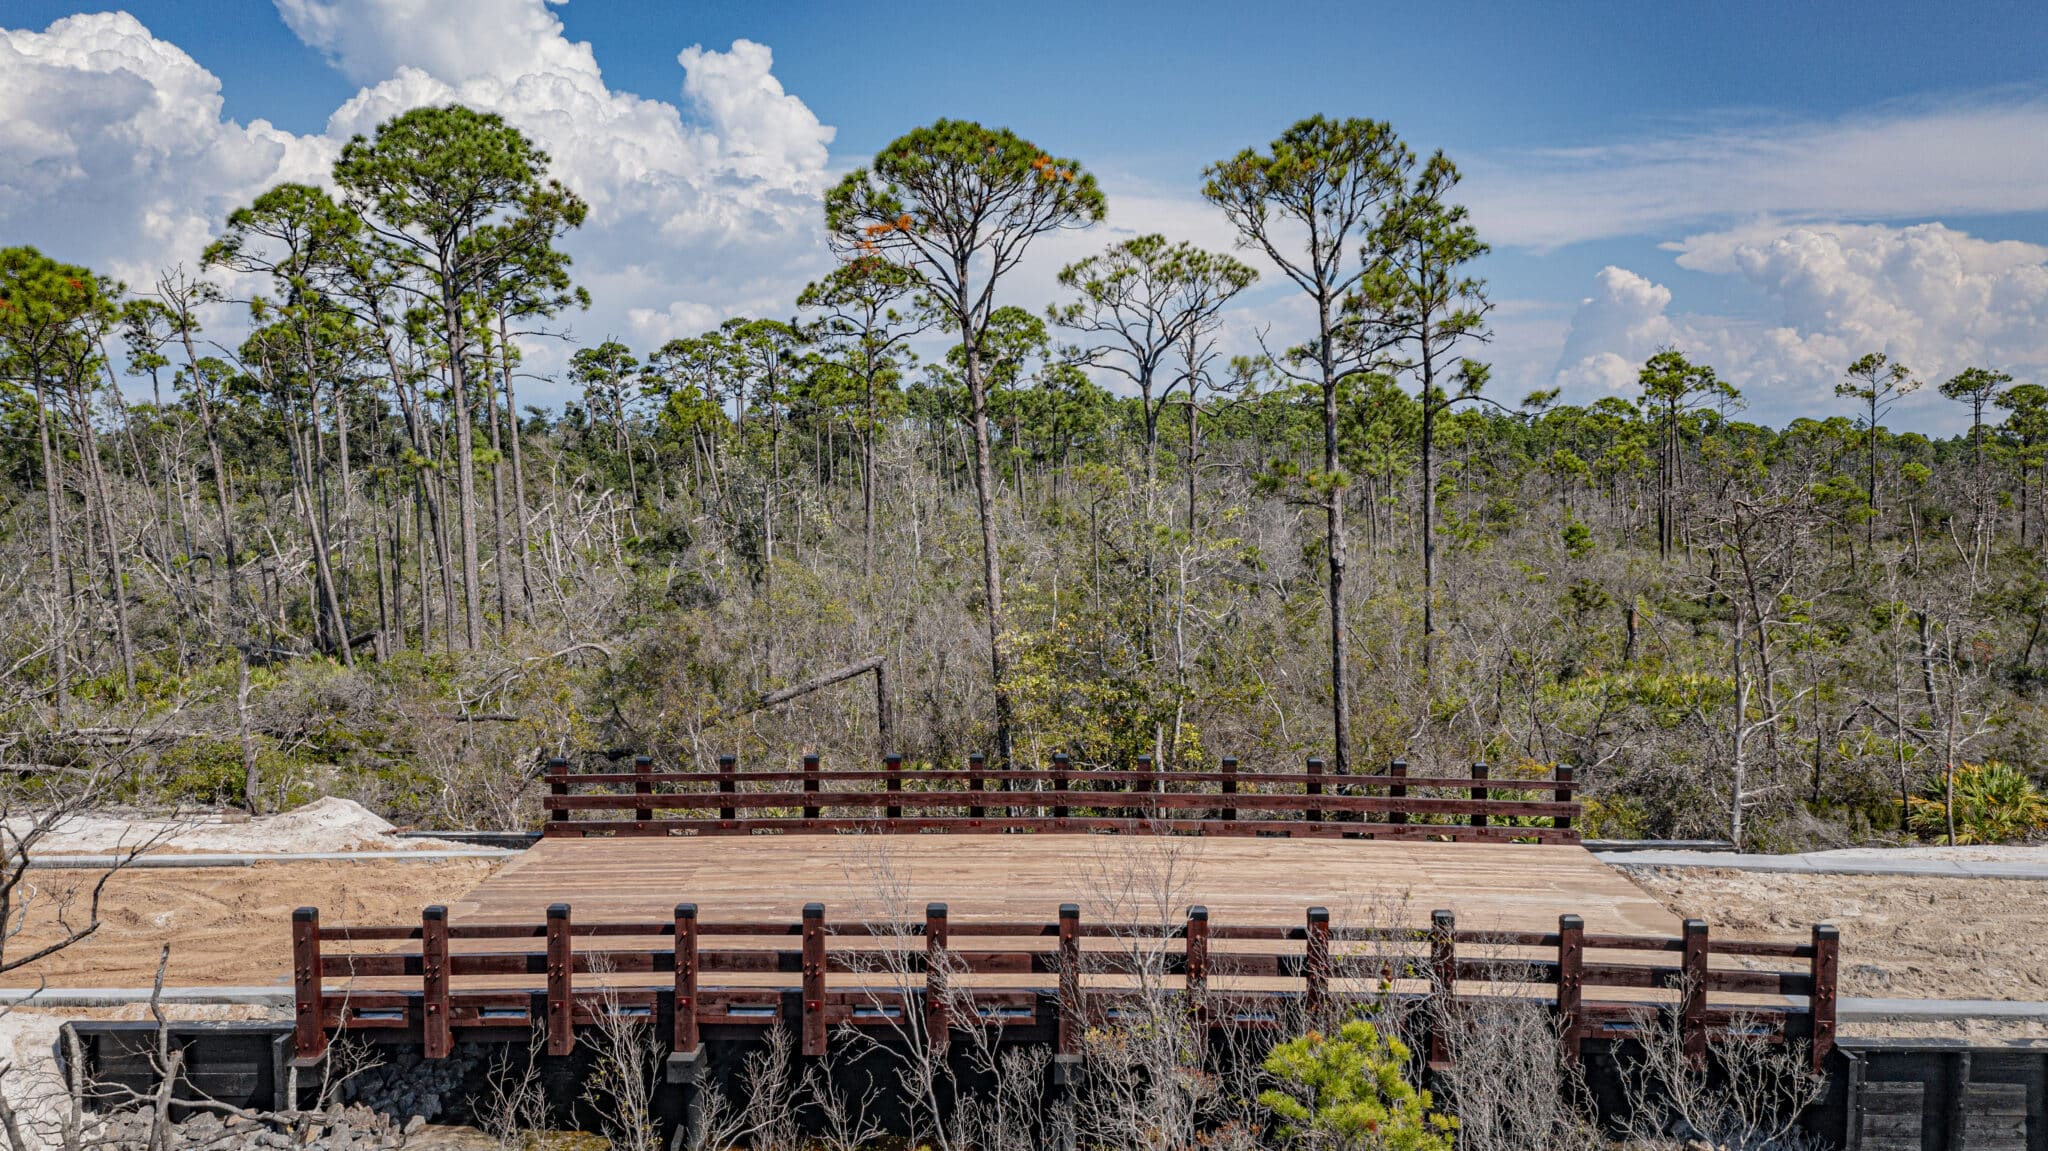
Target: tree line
<point>337,553</point>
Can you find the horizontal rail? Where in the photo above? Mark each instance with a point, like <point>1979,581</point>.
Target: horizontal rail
<point>1181,800</point>
<point>1013,961</point>
<point>1045,776</point>
<point>1025,929</point>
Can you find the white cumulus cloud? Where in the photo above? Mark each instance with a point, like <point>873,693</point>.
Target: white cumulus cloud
<point>1614,330</point>
<point>694,217</point>
<point>1930,296</point>
<point>370,40</point>
<point>114,150</point>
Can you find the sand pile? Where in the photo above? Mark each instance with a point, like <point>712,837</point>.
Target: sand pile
<point>328,824</point>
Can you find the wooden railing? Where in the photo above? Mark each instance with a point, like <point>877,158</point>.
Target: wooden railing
<point>1060,797</point>
<point>686,975</point>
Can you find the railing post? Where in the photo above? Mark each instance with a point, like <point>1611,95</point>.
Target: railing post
<point>1443,983</point>
<point>687,1038</point>
<point>810,784</point>
<point>1571,982</point>
<point>1229,814</point>
<point>975,764</point>
<point>1143,786</point>
<point>561,982</point>
<point>893,764</point>
<point>728,781</point>
<point>643,767</point>
<point>1314,787</point>
<point>1827,942</point>
<point>1062,764</point>
<point>309,1030</point>
<point>938,1008</point>
<point>1480,774</point>
<point>1315,967</point>
<point>436,1040</point>
<point>1692,1006</point>
<point>1198,979</point>
<point>1072,1023</point>
<point>1562,776</point>
<point>1399,770</point>
<point>814,979</point>
<point>558,786</point>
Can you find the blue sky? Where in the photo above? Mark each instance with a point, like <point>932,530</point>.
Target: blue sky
<point>1159,83</point>
<point>1774,187</point>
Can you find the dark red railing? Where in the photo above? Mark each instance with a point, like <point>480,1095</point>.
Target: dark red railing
<point>1060,798</point>
<point>435,977</point>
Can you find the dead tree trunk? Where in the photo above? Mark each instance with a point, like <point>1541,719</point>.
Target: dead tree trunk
<point>884,722</point>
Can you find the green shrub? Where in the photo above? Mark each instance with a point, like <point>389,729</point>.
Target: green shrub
<point>1613,817</point>
<point>209,772</point>
<point>1351,1091</point>
<point>203,771</point>
<point>1995,803</point>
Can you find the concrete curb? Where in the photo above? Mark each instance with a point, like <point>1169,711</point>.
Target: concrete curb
<point>1851,1009</point>
<point>517,840</point>
<point>1635,846</point>
<point>241,860</point>
<point>1811,865</point>
<point>123,996</point>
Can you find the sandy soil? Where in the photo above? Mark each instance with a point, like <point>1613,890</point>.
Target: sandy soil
<point>328,824</point>
<point>1901,937</point>
<point>226,925</point>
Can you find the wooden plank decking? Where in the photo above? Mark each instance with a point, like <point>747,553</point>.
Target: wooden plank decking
<point>1505,887</point>
<point>748,950</point>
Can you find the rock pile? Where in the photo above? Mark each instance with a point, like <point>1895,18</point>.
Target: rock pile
<point>408,1086</point>
<point>339,1128</point>
<point>380,1109</point>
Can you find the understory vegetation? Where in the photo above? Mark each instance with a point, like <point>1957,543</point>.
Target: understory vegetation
<point>335,553</point>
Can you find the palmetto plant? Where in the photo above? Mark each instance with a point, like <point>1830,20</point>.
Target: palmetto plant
<point>1994,803</point>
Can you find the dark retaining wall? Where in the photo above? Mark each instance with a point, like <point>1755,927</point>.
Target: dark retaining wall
<point>1883,1095</point>
<point>1921,1095</point>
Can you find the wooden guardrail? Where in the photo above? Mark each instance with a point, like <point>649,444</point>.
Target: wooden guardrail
<point>434,978</point>
<point>1060,797</point>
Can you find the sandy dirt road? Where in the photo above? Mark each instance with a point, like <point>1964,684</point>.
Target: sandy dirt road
<point>1905,937</point>
<point>226,925</point>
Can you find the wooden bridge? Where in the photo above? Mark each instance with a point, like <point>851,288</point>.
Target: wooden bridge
<point>716,904</point>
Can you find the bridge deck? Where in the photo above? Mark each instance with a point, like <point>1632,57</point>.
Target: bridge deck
<point>1505,887</point>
